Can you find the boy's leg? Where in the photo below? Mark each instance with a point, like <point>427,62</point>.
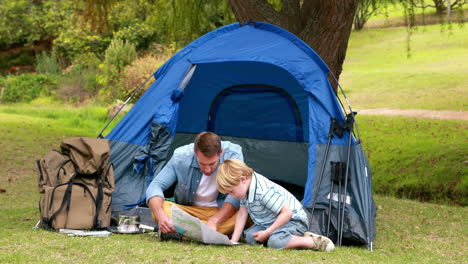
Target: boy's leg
<point>290,236</point>
<point>287,236</point>
<point>248,234</point>
<point>321,243</point>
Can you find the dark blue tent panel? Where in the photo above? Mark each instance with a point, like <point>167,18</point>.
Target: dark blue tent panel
<point>256,85</point>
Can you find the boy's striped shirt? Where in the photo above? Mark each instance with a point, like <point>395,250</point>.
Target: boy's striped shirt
<point>265,200</point>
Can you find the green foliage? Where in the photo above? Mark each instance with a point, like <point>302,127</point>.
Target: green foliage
<point>93,13</point>
<point>47,63</point>
<point>26,87</point>
<point>14,59</point>
<point>367,8</point>
<point>119,54</point>
<point>23,22</point>
<point>138,72</point>
<point>141,35</point>
<point>276,4</point>
<point>129,22</point>
<point>182,21</point>
<point>78,40</point>
<point>80,81</point>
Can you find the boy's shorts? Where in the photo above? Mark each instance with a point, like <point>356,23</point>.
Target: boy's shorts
<point>280,237</point>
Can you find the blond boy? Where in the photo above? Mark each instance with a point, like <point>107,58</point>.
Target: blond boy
<point>279,218</point>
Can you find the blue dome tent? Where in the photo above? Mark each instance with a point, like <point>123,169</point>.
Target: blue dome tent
<point>261,87</point>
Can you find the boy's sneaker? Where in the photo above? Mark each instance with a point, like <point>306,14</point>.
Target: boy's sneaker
<point>322,243</point>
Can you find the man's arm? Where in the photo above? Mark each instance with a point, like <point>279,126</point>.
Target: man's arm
<point>241,219</point>
<point>156,204</point>
<point>284,216</point>
<point>155,196</point>
<point>225,212</point>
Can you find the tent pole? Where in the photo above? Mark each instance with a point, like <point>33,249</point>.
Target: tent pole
<point>123,105</point>
<point>338,218</point>
<point>349,126</point>
<point>332,178</point>
<point>347,102</point>
<point>322,170</point>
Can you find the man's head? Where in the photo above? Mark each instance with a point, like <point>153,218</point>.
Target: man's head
<point>234,178</point>
<point>207,149</point>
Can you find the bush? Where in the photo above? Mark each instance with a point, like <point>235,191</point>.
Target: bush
<point>117,56</point>
<point>26,87</point>
<point>141,35</point>
<point>80,80</point>
<point>76,41</point>
<point>138,72</point>
<point>47,63</point>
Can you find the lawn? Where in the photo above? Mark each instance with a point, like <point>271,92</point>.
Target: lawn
<point>378,74</point>
<point>407,231</point>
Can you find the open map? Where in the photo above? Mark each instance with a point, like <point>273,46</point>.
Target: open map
<point>195,229</point>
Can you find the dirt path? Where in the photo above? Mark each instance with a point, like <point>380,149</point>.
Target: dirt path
<point>444,114</point>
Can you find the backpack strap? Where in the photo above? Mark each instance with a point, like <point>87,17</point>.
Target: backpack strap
<point>99,199</point>
<point>100,195</point>
<point>41,175</point>
<point>66,200</point>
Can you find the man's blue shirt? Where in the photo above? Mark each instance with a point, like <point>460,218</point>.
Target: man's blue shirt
<point>183,168</point>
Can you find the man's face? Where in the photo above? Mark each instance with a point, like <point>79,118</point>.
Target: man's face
<point>207,164</point>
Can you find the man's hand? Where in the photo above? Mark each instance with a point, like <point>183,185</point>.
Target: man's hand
<point>261,236</point>
<point>157,208</point>
<point>164,223</point>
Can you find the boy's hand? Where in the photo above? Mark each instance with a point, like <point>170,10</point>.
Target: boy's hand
<point>261,236</point>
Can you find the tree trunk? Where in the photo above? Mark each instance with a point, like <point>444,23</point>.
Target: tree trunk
<point>325,25</point>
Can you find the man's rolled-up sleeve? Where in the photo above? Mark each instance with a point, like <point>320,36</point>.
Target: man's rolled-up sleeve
<point>163,180</point>
<point>234,201</point>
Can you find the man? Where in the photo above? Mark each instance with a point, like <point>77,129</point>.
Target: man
<point>194,168</point>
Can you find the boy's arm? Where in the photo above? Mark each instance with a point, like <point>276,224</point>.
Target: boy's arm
<point>241,219</point>
<point>284,216</point>
<point>226,211</point>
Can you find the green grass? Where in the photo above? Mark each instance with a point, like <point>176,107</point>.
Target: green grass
<point>417,158</point>
<point>91,118</point>
<point>378,74</point>
<point>407,231</point>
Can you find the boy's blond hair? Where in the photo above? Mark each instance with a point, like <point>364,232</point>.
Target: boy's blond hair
<point>229,173</point>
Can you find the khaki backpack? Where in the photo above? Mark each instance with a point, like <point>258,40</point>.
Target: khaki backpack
<point>76,185</point>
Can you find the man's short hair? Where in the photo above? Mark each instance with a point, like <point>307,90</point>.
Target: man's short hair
<point>208,143</point>
<point>229,173</point>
